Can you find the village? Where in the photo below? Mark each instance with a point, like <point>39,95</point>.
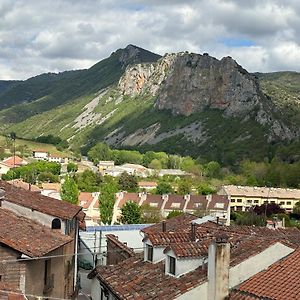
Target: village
<point>182,243</point>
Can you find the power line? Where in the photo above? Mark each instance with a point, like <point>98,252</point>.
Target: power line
<point>31,295</point>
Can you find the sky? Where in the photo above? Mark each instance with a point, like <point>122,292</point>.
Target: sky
<point>38,36</point>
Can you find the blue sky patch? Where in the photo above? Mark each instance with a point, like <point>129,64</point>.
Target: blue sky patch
<point>237,42</point>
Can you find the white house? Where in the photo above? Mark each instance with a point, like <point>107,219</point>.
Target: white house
<point>40,154</point>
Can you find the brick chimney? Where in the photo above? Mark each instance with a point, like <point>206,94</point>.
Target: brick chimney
<point>218,268</point>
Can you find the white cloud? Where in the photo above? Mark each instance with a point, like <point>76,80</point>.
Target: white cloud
<point>55,35</point>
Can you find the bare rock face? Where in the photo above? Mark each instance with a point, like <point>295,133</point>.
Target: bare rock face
<point>186,83</point>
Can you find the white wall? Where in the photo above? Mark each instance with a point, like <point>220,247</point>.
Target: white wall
<point>257,263</point>
<point>198,293</point>
<point>40,217</point>
<point>183,265</point>
<point>158,252</point>
<point>95,289</point>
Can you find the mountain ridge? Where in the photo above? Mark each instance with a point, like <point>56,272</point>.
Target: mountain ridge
<point>183,103</point>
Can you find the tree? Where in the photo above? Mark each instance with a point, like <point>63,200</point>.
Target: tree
<point>69,190</point>
<point>72,167</point>
<point>164,188</point>
<point>155,164</point>
<point>150,214</point>
<point>107,198</point>
<point>268,209</point>
<point>250,219</point>
<point>88,181</point>
<point>99,152</point>
<point>128,182</point>
<point>174,213</point>
<point>213,169</point>
<point>205,189</point>
<point>131,213</point>
<point>184,187</point>
<point>296,209</point>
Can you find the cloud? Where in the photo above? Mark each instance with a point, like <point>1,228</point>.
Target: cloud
<point>55,35</point>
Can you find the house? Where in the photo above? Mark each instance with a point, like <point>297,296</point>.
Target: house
<point>52,190</point>
<point>185,260</point>
<point>147,185</point>
<point>131,169</point>
<point>40,154</point>
<point>24,185</point>
<point>172,172</point>
<point>11,162</point>
<point>104,165</point>
<point>90,206</point>
<point>243,197</point>
<point>57,158</point>
<point>217,206</point>
<point>38,242</point>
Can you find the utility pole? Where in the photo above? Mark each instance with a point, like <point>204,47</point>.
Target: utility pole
<point>13,137</point>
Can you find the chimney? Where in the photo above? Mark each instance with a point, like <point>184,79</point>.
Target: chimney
<point>193,232</point>
<point>164,226</point>
<point>218,268</point>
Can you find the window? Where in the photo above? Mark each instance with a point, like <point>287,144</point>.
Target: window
<point>149,253</point>
<point>256,201</point>
<point>56,224</point>
<point>273,202</point>
<point>265,202</point>
<point>232,200</point>
<point>288,203</point>
<point>281,202</point>
<point>172,265</point>
<point>239,200</point>
<point>249,201</point>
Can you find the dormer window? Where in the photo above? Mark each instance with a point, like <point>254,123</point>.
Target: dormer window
<point>56,224</point>
<point>172,264</point>
<point>149,250</point>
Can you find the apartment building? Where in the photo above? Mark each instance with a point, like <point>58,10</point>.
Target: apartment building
<point>243,197</point>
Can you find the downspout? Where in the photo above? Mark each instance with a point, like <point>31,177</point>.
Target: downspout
<point>76,253</point>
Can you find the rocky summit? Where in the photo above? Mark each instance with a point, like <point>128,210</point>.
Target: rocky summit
<point>186,83</point>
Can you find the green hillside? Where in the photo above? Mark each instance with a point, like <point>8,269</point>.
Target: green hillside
<point>47,91</point>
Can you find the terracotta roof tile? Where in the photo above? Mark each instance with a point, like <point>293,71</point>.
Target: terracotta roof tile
<point>218,202</point>
<point>129,197</point>
<point>280,281</point>
<point>120,245</point>
<point>39,202</point>
<point>154,201</point>
<point>175,202</point>
<point>144,280</point>
<point>179,223</point>
<point>27,236</point>
<point>189,249</point>
<point>10,162</point>
<point>197,202</point>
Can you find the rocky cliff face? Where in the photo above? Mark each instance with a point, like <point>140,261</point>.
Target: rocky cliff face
<point>186,83</point>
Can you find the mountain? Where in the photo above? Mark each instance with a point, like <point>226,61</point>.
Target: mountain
<point>184,103</point>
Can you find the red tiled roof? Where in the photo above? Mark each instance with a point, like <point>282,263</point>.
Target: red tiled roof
<point>179,223</point>
<point>85,199</point>
<point>24,185</point>
<point>129,197</point>
<point>10,161</point>
<point>197,202</point>
<point>280,281</point>
<point>240,295</point>
<point>175,202</point>
<point>154,201</point>
<point>119,244</point>
<point>218,202</point>
<point>27,236</point>
<point>38,202</point>
<point>135,279</point>
<point>189,249</point>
